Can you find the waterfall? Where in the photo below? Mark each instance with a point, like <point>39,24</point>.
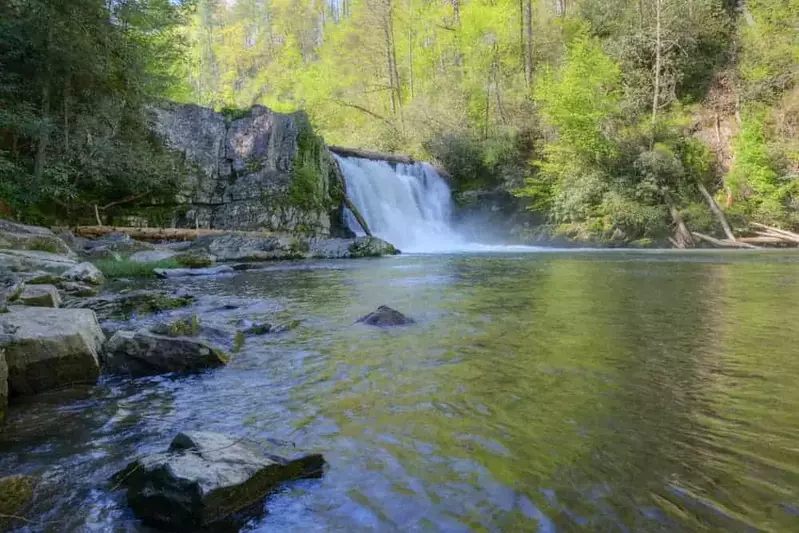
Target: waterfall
<point>409,206</point>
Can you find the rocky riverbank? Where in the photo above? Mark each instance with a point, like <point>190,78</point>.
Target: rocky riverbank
<point>64,323</point>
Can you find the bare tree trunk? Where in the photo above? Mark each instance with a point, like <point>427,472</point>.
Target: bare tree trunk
<point>560,8</point>
<point>528,42</point>
<point>656,87</point>
<point>717,211</point>
<point>682,236</point>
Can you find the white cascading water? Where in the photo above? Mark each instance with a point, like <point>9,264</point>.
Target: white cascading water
<point>410,206</point>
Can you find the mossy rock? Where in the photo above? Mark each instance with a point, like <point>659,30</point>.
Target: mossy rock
<point>184,327</point>
<point>195,259</point>
<point>137,303</point>
<point>15,494</point>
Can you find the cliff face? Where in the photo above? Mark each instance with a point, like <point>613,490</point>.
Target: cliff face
<point>263,171</point>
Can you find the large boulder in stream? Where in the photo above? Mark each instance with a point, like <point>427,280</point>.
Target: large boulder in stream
<point>350,248</point>
<point>49,349</point>
<point>208,481</point>
<point>385,316</point>
<point>21,237</point>
<point>143,353</point>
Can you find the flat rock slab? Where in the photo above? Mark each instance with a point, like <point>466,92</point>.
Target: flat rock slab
<point>143,353</point>
<point>22,237</point>
<point>386,317</point>
<point>193,272</point>
<point>49,349</point>
<point>39,296</point>
<point>206,478</point>
<point>33,260</point>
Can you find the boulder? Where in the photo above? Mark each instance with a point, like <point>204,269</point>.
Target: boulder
<point>49,349</point>
<point>208,479</point>
<point>113,244</point>
<point>143,353</point>
<point>85,273</point>
<point>192,272</point>
<point>15,494</point>
<point>152,256</point>
<point>3,385</point>
<point>385,316</point>
<point>240,247</point>
<point>22,237</point>
<point>39,296</point>
<point>195,259</point>
<point>74,288</point>
<point>26,260</point>
<point>371,247</point>
<point>9,292</point>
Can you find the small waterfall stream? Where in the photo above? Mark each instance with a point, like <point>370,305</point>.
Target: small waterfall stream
<point>410,206</point>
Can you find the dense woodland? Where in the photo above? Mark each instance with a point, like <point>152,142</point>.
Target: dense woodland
<point>614,120</point>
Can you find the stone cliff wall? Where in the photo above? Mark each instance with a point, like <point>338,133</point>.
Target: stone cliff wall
<point>263,171</point>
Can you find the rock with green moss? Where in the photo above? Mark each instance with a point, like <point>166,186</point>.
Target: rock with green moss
<point>351,248</point>
<point>21,237</point>
<point>16,492</point>
<point>132,303</point>
<point>195,259</point>
<point>39,296</point>
<point>48,349</point>
<point>143,353</point>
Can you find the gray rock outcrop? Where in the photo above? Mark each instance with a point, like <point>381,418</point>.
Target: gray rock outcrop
<point>49,349</point>
<point>205,478</point>
<point>263,171</point>
<point>385,316</point>
<point>84,273</point>
<point>143,353</point>
<point>39,296</point>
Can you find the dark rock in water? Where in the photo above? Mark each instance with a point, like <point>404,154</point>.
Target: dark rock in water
<point>258,329</point>
<point>350,248</point>
<point>386,317</point>
<point>205,479</point>
<point>142,353</point>
<point>15,493</point>
<point>192,272</point>
<point>140,302</point>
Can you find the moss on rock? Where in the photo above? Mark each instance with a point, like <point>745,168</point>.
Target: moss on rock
<point>15,493</point>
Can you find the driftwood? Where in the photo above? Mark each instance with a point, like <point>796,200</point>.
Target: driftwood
<point>769,231</point>
<point>723,243</point>
<point>354,210</point>
<point>761,239</point>
<point>375,156</point>
<point>157,234</point>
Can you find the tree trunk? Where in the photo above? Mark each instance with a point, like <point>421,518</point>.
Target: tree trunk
<point>410,47</point>
<point>560,8</point>
<point>390,66</point>
<point>656,85</point>
<point>528,43</point>
<point>717,211</point>
<point>682,236</point>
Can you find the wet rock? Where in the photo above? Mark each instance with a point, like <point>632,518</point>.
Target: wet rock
<point>142,353</point>
<point>15,493</point>
<point>240,247</point>
<point>39,296</point>
<point>85,273</point>
<point>386,317</point>
<point>258,329</point>
<point>22,237</point>
<point>192,272</point>
<point>48,349</point>
<point>41,278</point>
<point>127,304</point>
<point>205,479</point>
<point>152,256</point>
<point>350,248</point>
<point>3,385</point>
<point>195,259</point>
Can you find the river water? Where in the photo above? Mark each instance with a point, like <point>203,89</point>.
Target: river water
<point>568,391</point>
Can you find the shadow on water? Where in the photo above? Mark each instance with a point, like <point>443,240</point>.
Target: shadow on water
<point>539,392</point>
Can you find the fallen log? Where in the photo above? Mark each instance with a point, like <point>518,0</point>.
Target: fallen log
<point>789,235</point>
<point>714,207</point>
<point>157,234</point>
<point>764,239</point>
<point>374,156</point>
<point>354,210</point>
<point>723,243</point>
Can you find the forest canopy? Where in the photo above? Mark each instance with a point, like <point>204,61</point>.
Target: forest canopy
<point>608,118</point>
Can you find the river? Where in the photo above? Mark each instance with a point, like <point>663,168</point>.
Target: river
<point>564,391</point>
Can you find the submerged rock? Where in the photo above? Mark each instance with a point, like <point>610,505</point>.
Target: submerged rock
<point>49,349</point>
<point>22,237</point>
<point>39,296</point>
<point>142,353</point>
<point>192,272</point>
<point>15,493</point>
<point>386,317</point>
<point>85,273</point>
<point>206,478</point>
<point>140,303</point>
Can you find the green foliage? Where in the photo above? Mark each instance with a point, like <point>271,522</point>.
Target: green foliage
<point>125,268</point>
<point>183,327</point>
